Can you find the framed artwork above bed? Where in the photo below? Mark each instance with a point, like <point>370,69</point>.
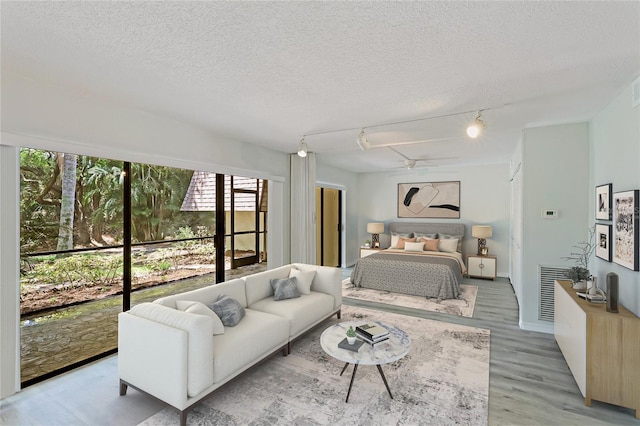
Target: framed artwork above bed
<point>433,200</point>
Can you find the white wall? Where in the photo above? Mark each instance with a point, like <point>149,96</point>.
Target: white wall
<point>484,199</point>
<point>615,158</point>
<point>555,176</point>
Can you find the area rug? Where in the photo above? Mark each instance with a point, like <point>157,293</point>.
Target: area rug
<point>462,307</point>
<point>443,380</point>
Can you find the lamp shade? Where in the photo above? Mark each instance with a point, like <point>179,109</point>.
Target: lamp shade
<point>375,228</point>
<point>481,231</point>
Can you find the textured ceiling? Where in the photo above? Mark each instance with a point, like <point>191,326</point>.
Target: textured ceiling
<point>269,72</point>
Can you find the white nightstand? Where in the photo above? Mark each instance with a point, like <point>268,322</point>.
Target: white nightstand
<point>482,266</point>
<point>366,251</point>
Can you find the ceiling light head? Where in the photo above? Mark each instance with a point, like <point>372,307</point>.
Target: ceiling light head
<point>475,128</point>
<point>410,164</point>
<point>362,140</point>
<point>302,148</point>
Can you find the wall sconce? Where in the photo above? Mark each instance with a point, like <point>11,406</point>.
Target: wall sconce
<point>375,229</point>
<point>482,232</point>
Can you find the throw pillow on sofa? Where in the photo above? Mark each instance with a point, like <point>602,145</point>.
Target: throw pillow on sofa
<point>228,309</point>
<point>201,309</point>
<point>305,278</point>
<point>285,288</point>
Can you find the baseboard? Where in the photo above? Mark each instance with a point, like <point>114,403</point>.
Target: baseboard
<point>535,326</point>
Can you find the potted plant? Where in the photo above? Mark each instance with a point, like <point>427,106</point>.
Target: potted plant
<point>351,335</point>
<point>367,243</point>
<point>579,274</point>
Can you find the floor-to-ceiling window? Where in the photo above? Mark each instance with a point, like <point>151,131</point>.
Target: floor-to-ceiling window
<point>98,236</point>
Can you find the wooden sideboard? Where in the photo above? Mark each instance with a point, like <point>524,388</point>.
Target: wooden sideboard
<point>601,348</point>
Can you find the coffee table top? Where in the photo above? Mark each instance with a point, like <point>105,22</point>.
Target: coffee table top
<point>393,349</point>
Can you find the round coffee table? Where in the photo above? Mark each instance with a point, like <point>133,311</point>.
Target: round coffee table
<point>393,349</point>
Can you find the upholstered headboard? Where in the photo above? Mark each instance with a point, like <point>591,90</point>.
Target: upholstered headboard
<point>428,228</point>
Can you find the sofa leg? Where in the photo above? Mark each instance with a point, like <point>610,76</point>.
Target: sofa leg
<point>183,418</point>
<point>339,314</point>
<point>123,388</point>
<point>285,350</point>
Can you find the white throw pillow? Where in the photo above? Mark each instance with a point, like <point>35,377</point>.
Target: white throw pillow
<point>201,309</point>
<point>305,279</point>
<point>413,246</point>
<point>448,245</point>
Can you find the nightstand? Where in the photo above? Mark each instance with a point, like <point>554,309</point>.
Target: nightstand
<point>482,266</point>
<point>366,251</point>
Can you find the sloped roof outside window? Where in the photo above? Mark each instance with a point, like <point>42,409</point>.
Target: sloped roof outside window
<point>201,195</point>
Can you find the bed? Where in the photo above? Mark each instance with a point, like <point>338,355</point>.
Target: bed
<point>432,274</point>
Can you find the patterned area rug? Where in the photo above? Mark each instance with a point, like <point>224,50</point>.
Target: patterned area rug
<point>462,307</point>
<point>443,380</point>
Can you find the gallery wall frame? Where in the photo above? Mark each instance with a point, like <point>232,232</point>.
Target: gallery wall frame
<point>433,200</point>
<point>603,241</point>
<point>626,212</point>
<point>604,201</point>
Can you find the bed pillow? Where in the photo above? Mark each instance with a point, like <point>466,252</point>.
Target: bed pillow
<point>201,309</point>
<point>228,309</point>
<point>402,241</point>
<point>449,245</point>
<point>419,235</point>
<point>304,279</point>
<point>431,245</point>
<point>453,237</point>
<point>419,246</point>
<point>284,288</point>
<point>396,236</point>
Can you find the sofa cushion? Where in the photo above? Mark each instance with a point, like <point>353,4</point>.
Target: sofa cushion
<point>305,279</point>
<point>328,280</point>
<point>302,312</point>
<point>228,309</point>
<point>285,288</point>
<point>201,309</point>
<point>199,329</point>
<point>257,335</point>
<point>206,295</point>
<point>258,286</point>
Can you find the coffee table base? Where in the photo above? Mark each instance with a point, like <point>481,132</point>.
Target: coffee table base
<point>353,375</point>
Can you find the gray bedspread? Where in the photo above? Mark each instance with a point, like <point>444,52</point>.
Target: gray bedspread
<point>418,275</point>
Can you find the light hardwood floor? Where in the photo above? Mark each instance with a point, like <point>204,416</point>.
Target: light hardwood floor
<point>529,382</point>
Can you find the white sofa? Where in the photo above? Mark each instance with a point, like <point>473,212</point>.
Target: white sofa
<point>174,355</point>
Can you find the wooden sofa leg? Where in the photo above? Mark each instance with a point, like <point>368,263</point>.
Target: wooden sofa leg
<point>123,388</point>
<point>339,314</point>
<point>183,418</point>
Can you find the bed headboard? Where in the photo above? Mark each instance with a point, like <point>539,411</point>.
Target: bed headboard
<point>427,228</point>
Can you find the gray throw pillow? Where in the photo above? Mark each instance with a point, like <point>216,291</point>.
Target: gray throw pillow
<point>228,309</point>
<point>285,288</point>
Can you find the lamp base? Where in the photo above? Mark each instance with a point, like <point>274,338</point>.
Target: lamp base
<point>483,250</point>
<point>375,240</point>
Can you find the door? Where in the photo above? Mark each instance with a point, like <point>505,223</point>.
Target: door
<point>328,226</point>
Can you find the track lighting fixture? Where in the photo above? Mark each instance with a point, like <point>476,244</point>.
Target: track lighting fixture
<point>362,140</point>
<point>475,128</point>
<point>302,148</point>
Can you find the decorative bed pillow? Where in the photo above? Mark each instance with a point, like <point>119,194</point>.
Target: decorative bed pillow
<point>431,245</point>
<point>449,245</point>
<point>453,237</point>
<point>284,288</point>
<point>305,279</point>
<point>419,235</point>
<point>395,237</point>
<point>201,309</point>
<point>402,241</point>
<point>228,309</point>
<point>419,246</point>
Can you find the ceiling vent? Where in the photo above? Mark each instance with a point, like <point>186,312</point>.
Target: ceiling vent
<point>635,92</point>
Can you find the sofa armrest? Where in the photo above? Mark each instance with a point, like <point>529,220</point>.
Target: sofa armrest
<point>327,280</point>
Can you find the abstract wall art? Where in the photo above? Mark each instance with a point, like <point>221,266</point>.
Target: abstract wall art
<point>439,200</point>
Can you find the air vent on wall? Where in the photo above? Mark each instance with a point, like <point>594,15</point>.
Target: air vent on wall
<point>635,92</point>
<point>546,276</point>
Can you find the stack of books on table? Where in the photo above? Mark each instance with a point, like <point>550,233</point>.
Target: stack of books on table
<point>372,333</point>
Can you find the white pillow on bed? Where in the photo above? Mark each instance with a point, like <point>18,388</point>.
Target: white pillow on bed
<point>413,246</point>
<point>448,245</point>
<point>458,238</point>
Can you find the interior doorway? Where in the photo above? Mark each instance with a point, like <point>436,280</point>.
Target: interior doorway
<point>328,226</point>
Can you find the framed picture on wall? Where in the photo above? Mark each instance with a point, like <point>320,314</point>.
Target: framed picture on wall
<point>429,200</point>
<point>603,241</point>
<point>603,201</point>
<point>626,210</point>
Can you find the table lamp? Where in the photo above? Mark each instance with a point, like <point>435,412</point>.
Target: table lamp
<point>482,232</point>
<point>375,229</point>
